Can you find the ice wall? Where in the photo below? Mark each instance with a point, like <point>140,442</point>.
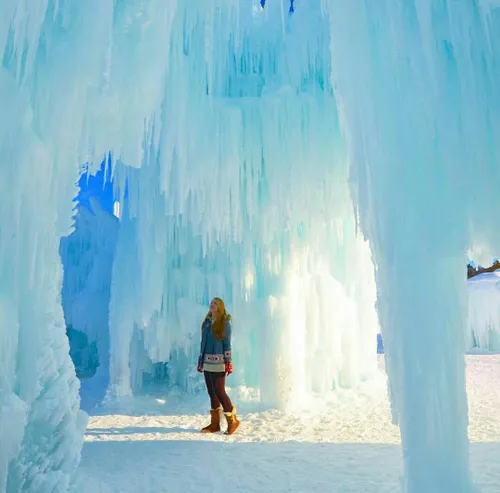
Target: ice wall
<point>243,194</point>
<point>44,77</point>
<point>76,80</point>
<point>227,112</point>
<point>483,328</point>
<point>41,427</point>
<point>415,82</point>
<point>87,256</point>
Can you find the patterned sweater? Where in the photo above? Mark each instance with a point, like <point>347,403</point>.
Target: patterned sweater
<point>214,353</point>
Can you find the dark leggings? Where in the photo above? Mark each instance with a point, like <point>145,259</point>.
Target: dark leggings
<point>216,383</point>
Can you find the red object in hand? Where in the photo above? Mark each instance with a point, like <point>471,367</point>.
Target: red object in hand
<point>229,368</point>
<point>199,369</point>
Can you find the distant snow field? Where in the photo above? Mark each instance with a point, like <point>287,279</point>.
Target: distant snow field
<point>345,445</point>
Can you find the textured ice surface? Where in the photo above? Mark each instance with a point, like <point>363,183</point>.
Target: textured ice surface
<point>41,427</point>
<point>87,255</point>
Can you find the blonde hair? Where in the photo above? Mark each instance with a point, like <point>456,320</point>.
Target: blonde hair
<point>219,324</point>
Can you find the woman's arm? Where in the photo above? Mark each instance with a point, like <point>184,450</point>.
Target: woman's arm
<point>226,343</point>
<point>202,347</point>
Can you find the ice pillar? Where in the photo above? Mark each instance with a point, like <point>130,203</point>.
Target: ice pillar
<point>410,77</point>
<point>41,425</point>
<point>44,74</point>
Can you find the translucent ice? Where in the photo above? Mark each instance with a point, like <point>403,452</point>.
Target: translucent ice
<point>243,193</point>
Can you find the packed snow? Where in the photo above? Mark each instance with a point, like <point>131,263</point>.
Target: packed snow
<point>346,445</point>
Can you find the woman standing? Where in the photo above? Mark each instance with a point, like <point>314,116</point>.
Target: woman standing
<point>215,362</point>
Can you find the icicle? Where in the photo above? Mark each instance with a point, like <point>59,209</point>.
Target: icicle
<point>253,166</point>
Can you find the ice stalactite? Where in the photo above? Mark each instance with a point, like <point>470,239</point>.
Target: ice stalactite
<point>243,193</point>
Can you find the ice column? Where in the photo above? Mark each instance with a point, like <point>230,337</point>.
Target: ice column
<point>42,426</point>
<point>44,77</point>
<point>413,81</point>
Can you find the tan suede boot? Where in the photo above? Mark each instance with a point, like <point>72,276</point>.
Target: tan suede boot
<point>214,426</point>
<point>232,422</point>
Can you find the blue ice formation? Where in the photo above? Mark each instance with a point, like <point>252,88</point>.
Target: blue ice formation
<point>270,159</point>
<point>87,255</point>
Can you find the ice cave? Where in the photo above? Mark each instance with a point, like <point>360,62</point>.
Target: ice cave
<point>326,167</point>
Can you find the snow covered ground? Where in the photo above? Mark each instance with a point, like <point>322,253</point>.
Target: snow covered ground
<point>345,445</point>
